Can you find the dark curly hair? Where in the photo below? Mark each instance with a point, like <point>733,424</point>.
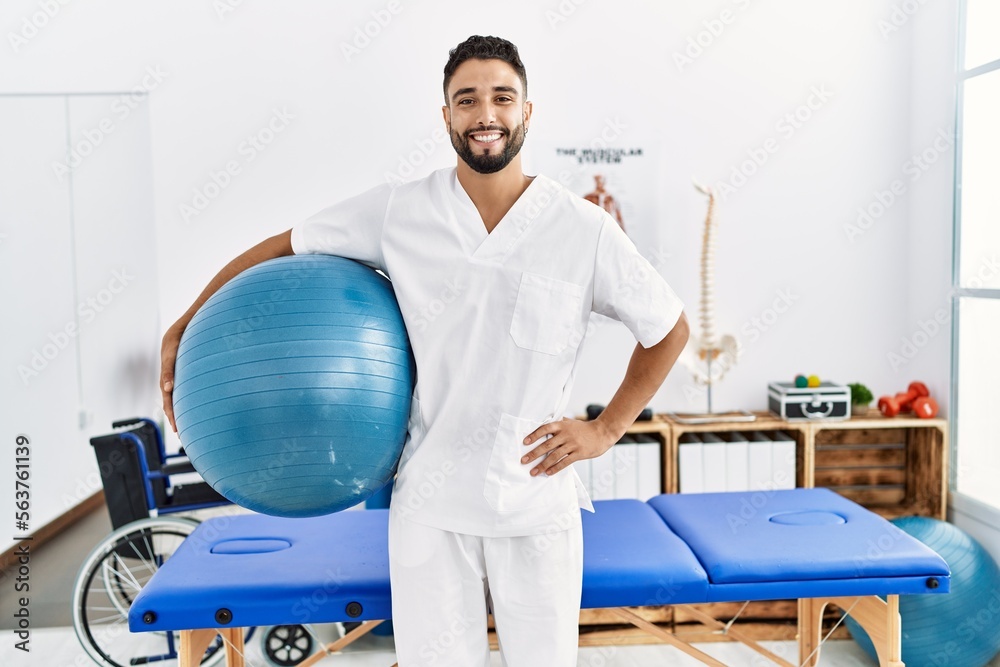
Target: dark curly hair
<point>484,48</point>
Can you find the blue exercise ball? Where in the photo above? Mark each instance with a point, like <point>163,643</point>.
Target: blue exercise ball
<point>960,628</point>
<point>292,386</point>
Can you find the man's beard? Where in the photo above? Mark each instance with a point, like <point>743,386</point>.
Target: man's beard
<point>492,163</point>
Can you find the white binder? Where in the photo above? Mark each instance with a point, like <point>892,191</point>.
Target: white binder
<point>626,467</point>
<point>649,465</point>
<point>782,460</point>
<point>602,476</point>
<point>737,461</point>
<point>713,452</point>
<point>759,472</point>
<point>689,463</point>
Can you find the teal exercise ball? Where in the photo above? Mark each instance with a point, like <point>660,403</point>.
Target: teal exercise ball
<point>956,629</point>
<point>292,386</point>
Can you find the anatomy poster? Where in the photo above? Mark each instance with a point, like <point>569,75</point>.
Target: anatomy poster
<point>621,179</point>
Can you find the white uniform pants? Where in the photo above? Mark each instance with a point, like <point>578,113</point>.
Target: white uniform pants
<point>444,582</point>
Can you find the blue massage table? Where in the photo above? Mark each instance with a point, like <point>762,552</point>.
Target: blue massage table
<point>811,545</point>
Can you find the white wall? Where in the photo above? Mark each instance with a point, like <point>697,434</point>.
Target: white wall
<point>78,269</point>
<point>355,120</point>
<point>218,77</point>
<point>927,234</point>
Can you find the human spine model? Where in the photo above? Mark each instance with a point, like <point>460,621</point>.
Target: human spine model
<point>706,356</point>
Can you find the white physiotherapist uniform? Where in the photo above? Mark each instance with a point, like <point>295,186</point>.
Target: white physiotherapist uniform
<point>495,322</point>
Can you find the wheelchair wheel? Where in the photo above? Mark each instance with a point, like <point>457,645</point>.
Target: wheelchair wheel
<point>286,645</point>
<point>110,578</point>
<point>118,586</point>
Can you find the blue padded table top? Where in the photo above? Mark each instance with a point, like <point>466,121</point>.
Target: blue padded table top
<point>631,558</point>
<point>675,549</point>
<point>799,536</point>
<point>271,571</point>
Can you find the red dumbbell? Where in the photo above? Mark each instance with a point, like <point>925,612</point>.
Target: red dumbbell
<point>890,406</point>
<point>925,407</point>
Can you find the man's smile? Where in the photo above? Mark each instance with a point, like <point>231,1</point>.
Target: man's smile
<point>487,139</point>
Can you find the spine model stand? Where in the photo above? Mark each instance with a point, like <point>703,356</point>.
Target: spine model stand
<point>707,356</point>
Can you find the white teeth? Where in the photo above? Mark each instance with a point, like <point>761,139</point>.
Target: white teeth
<point>487,138</point>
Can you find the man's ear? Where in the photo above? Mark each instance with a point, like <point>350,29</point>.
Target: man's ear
<point>526,111</point>
<point>446,112</point>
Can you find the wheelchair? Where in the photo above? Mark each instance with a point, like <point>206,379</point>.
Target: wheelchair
<point>144,505</point>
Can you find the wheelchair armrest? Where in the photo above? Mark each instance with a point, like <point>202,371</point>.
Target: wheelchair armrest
<point>140,451</point>
<point>177,468</point>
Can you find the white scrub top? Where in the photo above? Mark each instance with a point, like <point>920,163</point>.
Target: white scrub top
<point>495,322</point>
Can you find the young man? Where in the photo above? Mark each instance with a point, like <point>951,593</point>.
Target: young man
<point>496,274</point>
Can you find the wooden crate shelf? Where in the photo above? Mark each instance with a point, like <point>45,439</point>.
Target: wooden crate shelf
<point>893,466</point>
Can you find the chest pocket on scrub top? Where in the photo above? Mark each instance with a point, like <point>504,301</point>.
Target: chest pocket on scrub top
<point>547,313</point>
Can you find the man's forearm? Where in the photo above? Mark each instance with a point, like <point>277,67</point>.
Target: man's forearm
<point>279,245</point>
<point>647,369</point>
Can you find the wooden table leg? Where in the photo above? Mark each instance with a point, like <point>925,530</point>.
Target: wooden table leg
<point>731,631</point>
<point>233,638</point>
<point>894,628</point>
<point>668,637</point>
<point>810,630</point>
<point>341,643</point>
<point>880,619</point>
<point>193,644</point>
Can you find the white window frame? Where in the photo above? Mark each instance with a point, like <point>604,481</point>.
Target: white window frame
<point>966,504</point>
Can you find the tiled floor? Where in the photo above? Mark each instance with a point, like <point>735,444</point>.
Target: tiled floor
<point>58,647</point>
